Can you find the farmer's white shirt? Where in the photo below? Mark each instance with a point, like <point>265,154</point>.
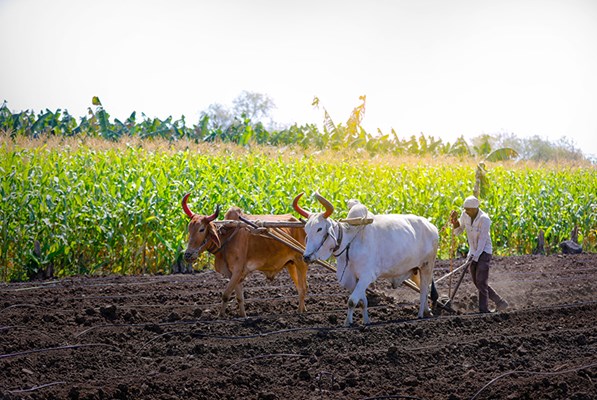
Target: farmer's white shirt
<point>477,233</point>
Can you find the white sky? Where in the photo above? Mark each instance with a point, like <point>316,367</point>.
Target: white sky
<point>445,68</point>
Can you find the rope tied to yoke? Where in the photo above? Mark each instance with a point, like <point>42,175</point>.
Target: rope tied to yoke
<point>224,232</point>
<point>347,248</point>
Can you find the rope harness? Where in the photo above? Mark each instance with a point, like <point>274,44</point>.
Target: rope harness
<point>327,234</point>
<point>221,233</point>
<point>347,248</point>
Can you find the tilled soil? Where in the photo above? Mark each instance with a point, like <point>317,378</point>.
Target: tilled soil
<point>160,337</point>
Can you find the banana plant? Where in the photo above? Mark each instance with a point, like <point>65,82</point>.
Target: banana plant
<point>481,182</point>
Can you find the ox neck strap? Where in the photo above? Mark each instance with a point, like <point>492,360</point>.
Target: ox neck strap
<point>338,241</point>
<point>226,239</point>
<point>346,249</point>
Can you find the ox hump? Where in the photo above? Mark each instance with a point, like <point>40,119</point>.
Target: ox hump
<point>233,213</point>
<point>358,210</point>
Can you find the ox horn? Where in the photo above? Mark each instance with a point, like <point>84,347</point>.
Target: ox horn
<point>185,207</point>
<point>298,208</point>
<point>329,208</point>
<point>214,215</point>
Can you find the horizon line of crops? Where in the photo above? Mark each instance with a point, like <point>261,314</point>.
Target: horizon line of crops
<point>117,210</point>
<point>244,132</point>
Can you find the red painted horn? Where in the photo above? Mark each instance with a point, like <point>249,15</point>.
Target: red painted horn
<point>185,207</point>
<point>298,208</point>
<point>329,208</point>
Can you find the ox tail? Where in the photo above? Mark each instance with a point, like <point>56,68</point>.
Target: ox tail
<point>434,294</point>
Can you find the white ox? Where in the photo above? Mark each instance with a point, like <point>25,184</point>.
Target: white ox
<point>394,247</point>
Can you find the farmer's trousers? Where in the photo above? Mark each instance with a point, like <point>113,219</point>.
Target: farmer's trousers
<point>480,275</point>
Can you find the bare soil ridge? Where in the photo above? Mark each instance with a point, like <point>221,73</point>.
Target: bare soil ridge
<point>159,337</point>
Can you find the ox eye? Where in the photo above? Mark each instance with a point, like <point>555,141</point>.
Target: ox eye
<point>319,230</point>
<point>201,229</point>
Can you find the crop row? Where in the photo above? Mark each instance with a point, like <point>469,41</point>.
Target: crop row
<point>116,209</point>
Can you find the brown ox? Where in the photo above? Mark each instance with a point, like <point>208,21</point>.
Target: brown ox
<point>238,252</point>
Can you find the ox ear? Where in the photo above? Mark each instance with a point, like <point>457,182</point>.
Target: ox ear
<point>185,207</point>
<point>298,208</point>
<point>329,208</point>
<point>332,233</point>
<point>214,235</point>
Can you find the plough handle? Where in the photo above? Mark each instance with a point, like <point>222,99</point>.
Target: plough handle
<point>464,271</point>
<point>466,264</point>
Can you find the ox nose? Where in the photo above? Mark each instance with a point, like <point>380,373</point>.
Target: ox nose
<point>307,258</point>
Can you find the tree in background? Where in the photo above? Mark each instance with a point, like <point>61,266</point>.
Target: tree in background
<point>535,148</point>
<point>218,116</point>
<point>252,106</point>
<point>255,106</point>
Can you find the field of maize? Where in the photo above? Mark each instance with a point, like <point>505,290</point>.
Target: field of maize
<point>94,206</point>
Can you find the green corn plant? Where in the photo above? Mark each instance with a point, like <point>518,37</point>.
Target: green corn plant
<point>116,208</point>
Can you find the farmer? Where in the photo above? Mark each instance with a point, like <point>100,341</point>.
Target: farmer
<point>477,223</point>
